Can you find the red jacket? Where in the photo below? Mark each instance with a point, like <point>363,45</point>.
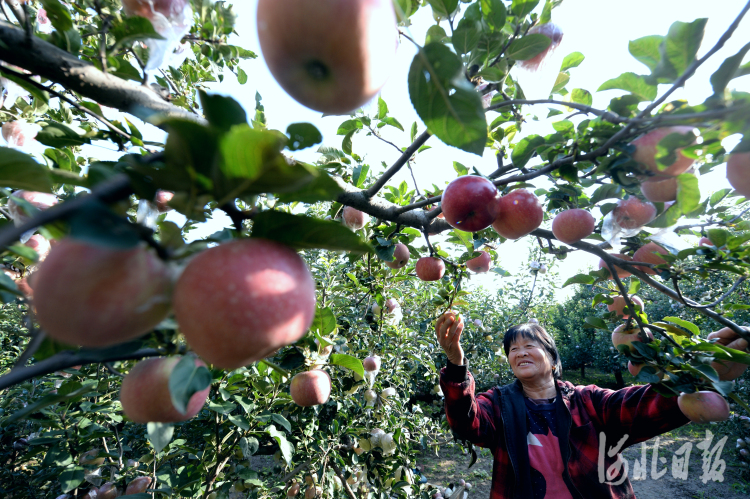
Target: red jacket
<point>497,420</point>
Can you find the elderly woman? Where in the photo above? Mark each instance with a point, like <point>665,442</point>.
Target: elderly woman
<point>549,438</point>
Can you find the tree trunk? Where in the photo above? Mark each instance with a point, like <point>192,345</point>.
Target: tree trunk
<point>618,378</point>
<point>583,371</point>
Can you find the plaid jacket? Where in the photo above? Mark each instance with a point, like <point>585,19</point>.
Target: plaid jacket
<point>497,420</point>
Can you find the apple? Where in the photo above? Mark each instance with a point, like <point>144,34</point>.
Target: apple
<point>646,254</point>
<point>97,296</point>
<point>372,363</point>
<point>634,369</point>
<point>370,396</point>
<point>703,406</point>
<point>138,485</point>
<point>91,458</point>
<point>18,133</point>
<point>729,371</point>
<point>627,336</point>
<point>738,172</point>
<point>259,299</point>
<point>388,393</point>
<point>619,306</point>
<point>478,323</point>
<point>40,200</point>
<point>400,257</point>
<point>570,226</point>
<point>704,241</point>
<point>162,199</point>
<point>147,8</point>
<point>332,56</point>
<point>107,491</point>
<point>646,153</point>
<point>480,264</point>
<point>375,309</point>
<point>660,192</point>
<point>620,272</point>
<point>353,218</point>
<point>533,321</point>
<point>430,268</point>
<point>145,394</point>
<point>310,388</point>
<point>551,31</point>
<point>519,213</point>
<point>469,203</point>
<point>632,213</point>
<point>313,491</point>
<point>39,244</point>
<point>391,305</point>
<point>293,490</point>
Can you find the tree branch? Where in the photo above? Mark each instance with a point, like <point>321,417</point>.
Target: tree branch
<point>715,303</point>
<point>44,59</point>
<point>400,162</point>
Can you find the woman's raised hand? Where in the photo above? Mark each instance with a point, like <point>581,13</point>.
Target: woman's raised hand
<point>448,328</point>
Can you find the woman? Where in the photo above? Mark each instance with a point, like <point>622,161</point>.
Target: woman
<point>549,438</point>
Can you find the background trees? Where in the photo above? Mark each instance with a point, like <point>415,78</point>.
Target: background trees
<point>134,77</point>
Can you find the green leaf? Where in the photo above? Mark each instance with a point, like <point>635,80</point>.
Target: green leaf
<point>249,446</point>
<point>445,101</point>
<point>222,407</point>
<point>382,108</point>
<point>24,252</point>
<point>633,83</point>
<point>186,380</point>
<point>720,79</point>
<point>466,36</point>
<point>98,224</point>
<point>493,13</point>
<point>683,323</point>
<point>49,400</point>
<point>390,120</point>
<point>524,149</point>
<point>321,188</point>
<point>159,434</point>
<point>324,322</point>
<point>596,323</point>
<point>32,89</point>
<point>581,96</point>
<point>305,232</point>
<point>346,144</point>
<point>563,126</point>
<point>718,237</point>
<point>560,82</point>
<point>579,279</point>
<point>683,42</point>
<point>302,136</point>
<point>349,126</point>
<point>347,361</point>
<point>572,60</point>
<point>688,192</point>
<point>71,478</point>
<point>281,420</point>
<point>287,449</point>
<point>521,8</point>
<point>460,169</point>
<point>646,50</point>
<point>20,171</point>
<point>132,29</point>
<point>58,15</point>
<point>247,152</point>
<point>443,8</point>
<point>435,34</point>
<point>222,112</point>
<point>59,135</point>
<point>359,175</point>
<point>465,237</point>
<point>241,76</point>
<point>528,47</point>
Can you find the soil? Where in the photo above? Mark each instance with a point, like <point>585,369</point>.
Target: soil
<point>451,465</point>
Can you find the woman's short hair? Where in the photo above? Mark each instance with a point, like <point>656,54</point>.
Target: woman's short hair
<point>531,331</point>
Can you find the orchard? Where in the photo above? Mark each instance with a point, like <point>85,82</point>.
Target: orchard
<point>150,349</point>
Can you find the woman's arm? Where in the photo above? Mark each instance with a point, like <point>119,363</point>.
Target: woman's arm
<point>474,418</point>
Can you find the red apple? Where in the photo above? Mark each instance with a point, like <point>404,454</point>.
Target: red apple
<point>91,458</point>
<point>646,254</point>
<point>623,336</point>
<point>372,363</point>
<point>660,192</point>
<point>470,203</point>
<point>703,407</point>
<point>145,395</point>
<point>645,153</point>
<point>632,213</point>
<point>332,56</point>
<point>391,305</point>
<point>704,241</point>
<point>259,298</point>
<point>400,257</point>
<point>551,31</point>
<point>96,296</point>
<point>108,491</point>
<point>480,264</point>
<point>729,371</point>
<point>519,212</point>
<point>430,268</point>
<point>738,172</point>
<point>310,388</point>
<point>18,133</point>
<point>39,244</point>
<point>620,272</point>
<point>353,218</point>
<point>138,485</point>
<point>40,200</point>
<point>620,306</point>
<point>570,226</point>
<point>162,199</point>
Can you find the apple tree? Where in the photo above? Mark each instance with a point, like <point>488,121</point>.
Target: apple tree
<point>139,358</point>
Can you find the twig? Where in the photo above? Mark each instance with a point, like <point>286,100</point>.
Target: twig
<point>376,134</point>
<point>710,305</point>
<point>400,162</point>
<point>343,481</point>
<point>296,470</point>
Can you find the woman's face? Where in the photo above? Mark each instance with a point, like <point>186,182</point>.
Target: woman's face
<point>529,360</point>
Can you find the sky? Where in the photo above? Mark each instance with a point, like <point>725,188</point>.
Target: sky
<point>600,30</point>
